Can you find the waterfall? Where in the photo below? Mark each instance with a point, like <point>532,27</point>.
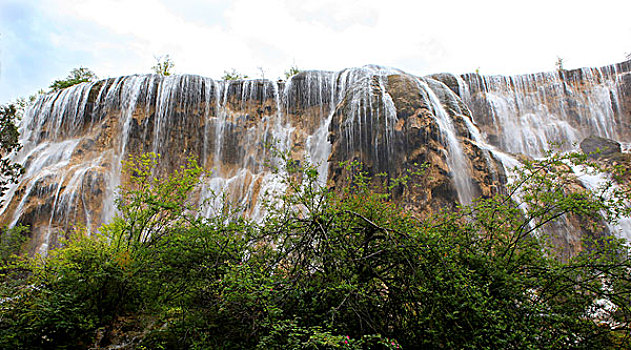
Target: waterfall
<point>371,115</point>
<point>225,124</point>
<point>75,139</point>
<point>456,159</point>
<point>318,91</point>
<point>602,185</point>
<point>370,108</point>
<point>534,113</point>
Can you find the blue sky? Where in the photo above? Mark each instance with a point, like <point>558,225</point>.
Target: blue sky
<point>42,40</point>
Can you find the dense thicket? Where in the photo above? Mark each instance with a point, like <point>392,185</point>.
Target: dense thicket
<point>347,269</point>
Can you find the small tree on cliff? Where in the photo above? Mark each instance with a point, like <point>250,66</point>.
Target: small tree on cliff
<point>164,65</point>
<point>293,70</point>
<point>76,76</point>
<point>233,75</point>
<point>559,64</point>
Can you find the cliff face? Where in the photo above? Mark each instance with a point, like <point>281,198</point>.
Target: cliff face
<point>527,113</point>
<point>392,122</point>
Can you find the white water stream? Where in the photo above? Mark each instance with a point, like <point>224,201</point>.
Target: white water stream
<point>74,140</point>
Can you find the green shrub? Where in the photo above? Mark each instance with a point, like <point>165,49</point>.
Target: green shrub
<point>349,269</point>
<point>76,76</point>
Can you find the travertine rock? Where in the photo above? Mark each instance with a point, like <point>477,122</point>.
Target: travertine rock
<point>463,128</point>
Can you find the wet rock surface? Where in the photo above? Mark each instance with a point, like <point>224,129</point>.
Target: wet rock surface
<point>452,133</point>
<point>534,113</point>
<point>600,147</point>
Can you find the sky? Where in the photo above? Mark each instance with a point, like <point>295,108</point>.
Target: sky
<point>42,40</point>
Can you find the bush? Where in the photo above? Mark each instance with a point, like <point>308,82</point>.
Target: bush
<point>293,70</point>
<point>233,75</point>
<point>76,76</point>
<point>76,289</point>
<point>164,65</point>
<point>325,270</point>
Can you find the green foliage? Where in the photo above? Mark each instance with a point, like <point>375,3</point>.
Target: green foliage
<point>287,334</point>
<point>68,295</point>
<point>345,269</point>
<point>11,241</point>
<point>23,103</point>
<point>9,144</point>
<point>12,269</point>
<point>233,75</point>
<point>76,76</point>
<point>150,205</point>
<point>293,70</point>
<point>164,65</point>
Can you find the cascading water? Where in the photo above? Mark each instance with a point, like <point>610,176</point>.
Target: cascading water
<point>368,103</point>
<point>317,89</point>
<point>370,122</point>
<point>456,159</point>
<point>534,113</point>
<point>602,185</point>
<point>74,140</point>
<point>531,114</point>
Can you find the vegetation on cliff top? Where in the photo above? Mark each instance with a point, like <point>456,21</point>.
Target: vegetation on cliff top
<point>349,269</point>
<point>76,76</point>
<point>293,70</point>
<point>164,65</point>
<point>233,75</point>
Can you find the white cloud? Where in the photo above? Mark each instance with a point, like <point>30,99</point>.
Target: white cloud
<point>115,37</point>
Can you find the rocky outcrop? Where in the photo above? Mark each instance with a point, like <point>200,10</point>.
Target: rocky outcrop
<point>599,147</point>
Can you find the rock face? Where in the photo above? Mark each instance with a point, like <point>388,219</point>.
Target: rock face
<point>599,147</point>
<point>390,121</point>
<point>533,113</point>
<point>394,122</point>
